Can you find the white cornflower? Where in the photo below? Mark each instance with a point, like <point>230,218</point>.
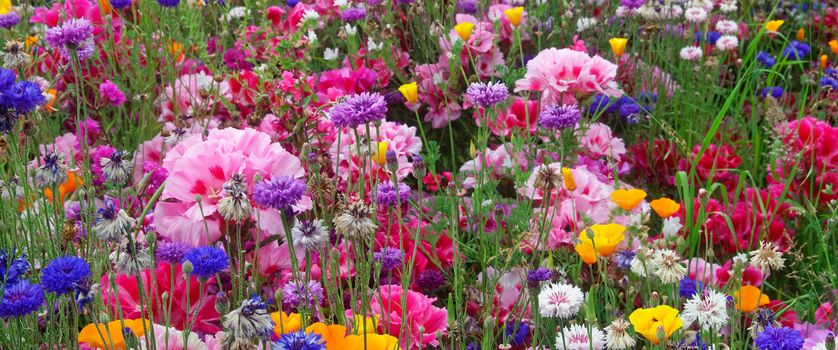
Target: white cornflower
<point>310,15</point>
<point>616,337</point>
<point>585,23</point>
<point>669,268</point>
<point>372,46</point>
<point>235,13</point>
<point>767,257</point>
<point>350,29</point>
<point>726,26</point>
<point>672,224</point>
<point>709,311</point>
<point>689,53</point>
<point>695,14</point>
<point>739,260</point>
<point>560,300</point>
<point>727,43</point>
<point>311,36</point>
<point>576,337</point>
<point>310,235</point>
<point>331,54</point>
<point>643,263</point>
<point>728,6</point>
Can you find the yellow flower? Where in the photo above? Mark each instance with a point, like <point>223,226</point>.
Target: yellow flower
<point>333,335</point>
<point>365,324</point>
<point>371,342</point>
<point>801,34</point>
<point>665,207</point>
<point>514,15</point>
<point>112,333</point>
<point>749,298</point>
<point>5,6</point>
<point>605,242</point>
<point>660,319</point>
<point>380,155</point>
<point>618,46</point>
<point>628,199</point>
<point>30,40</point>
<point>464,30</point>
<point>410,92</point>
<point>833,45</point>
<point>285,323</point>
<point>569,182</point>
<point>773,26</point>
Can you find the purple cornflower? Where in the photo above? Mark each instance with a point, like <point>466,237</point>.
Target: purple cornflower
<point>517,332</point>
<point>21,299</point>
<point>766,59</point>
<point>560,117</point>
<point>299,294</point>
<point>430,280</point>
<point>353,14</point>
<point>487,94</point>
<point>628,109</point>
<point>359,109</point>
<point>467,6</point>
<point>540,274</point>
<point>171,252</point>
<point>300,340</point>
<point>774,91</point>
<point>782,338</point>
<point>120,4</point>
<point>713,37</point>
<point>388,196</point>
<point>168,3</point>
<point>688,287</point>
<point>632,4</point>
<point>390,258</point>
<point>796,50</point>
<point>73,36</point>
<point>207,261</point>
<point>111,93</point>
<point>280,193</point>
<point>9,20</point>
<point>623,259</point>
<point>292,3</point>
<point>600,104</point>
<point>64,274</point>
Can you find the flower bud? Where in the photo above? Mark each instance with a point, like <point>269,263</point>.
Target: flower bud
<point>187,268</point>
<point>418,167</point>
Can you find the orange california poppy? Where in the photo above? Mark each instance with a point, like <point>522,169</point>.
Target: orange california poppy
<point>749,298</point>
<point>112,333</point>
<point>665,207</point>
<point>333,335</point>
<point>285,323</point>
<point>628,199</point>
<point>69,186</point>
<point>606,239</point>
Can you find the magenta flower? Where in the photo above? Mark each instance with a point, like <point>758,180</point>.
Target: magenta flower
<point>111,93</point>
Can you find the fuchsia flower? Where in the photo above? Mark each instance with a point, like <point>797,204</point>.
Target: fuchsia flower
<point>420,312</point>
<point>111,93</point>
<point>817,141</point>
<point>345,81</point>
<point>561,75</point>
<point>513,120</point>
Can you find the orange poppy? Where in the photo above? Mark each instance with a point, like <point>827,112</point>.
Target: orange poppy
<point>93,333</point>
<point>749,298</point>
<point>665,207</point>
<point>371,342</point>
<point>605,242</point>
<point>69,186</point>
<point>628,199</point>
<point>333,335</point>
<point>285,323</point>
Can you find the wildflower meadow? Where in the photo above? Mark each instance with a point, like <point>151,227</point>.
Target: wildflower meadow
<point>418,174</point>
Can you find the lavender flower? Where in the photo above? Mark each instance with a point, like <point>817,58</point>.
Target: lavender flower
<point>171,252</point>
<point>467,6</point>
<point>560,117</point>
<point>623,259</point>
<point>389,196</point>
<point>359,109</point>
<point>353,14</point>
<point>487,94</point>
<point>390,258</point>
<point>299,294</point>
<point>73,36</point>
<point>280,193</point>
<point>9,20</point>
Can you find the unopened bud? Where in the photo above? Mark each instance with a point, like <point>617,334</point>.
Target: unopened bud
<point>661,334</point>
<point>151,238</point>
<point>131,340</point>
<point>187,268</point>
<point>222,303</point>
<point>418,167</point>
<point>392,160</point>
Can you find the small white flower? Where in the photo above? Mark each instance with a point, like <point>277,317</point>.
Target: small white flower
<point>643,262</point>
<point>585,23</point>
<point>560,300</point>
<point>350,29</point>
<point>672,224</point>
<point>690,53</point>
<point>494,16</point>
<point>310,15</point>
<point>728,6</point>
<point>709,311</point>
<point>576,337</point>
<point>372,46</point>
<point>236,13</point>
<point>727,27</point>
<point>616,337</point>
<point>768,257</point>
<point>331,54</point>
<point>727,43</point>
<point>696,14</point>
<point>341,3</point>
<point>311,36</point>
<point>437,77</point>
<point>669,268</point>
<point>740,259</point>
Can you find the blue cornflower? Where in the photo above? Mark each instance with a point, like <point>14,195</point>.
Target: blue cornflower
<point>12,269</point>
<point>21,299</point>
<point>517,332</point>
<point>207,261</point>
<point>766,59</point>
<point>292,3</point>
<point>23,96</point>
<point>782,338</point>
<point>796,50</point>
<point>64,274</point>
<point>300,340</point>
<point>359,109</point>
<point>559,117</point>
<point>688,287</point>
<point>713,37</point>
<point>7,79</point>
<point>600,104</point>
<point>623,259</point>
<point>280,193</point>
<point>168,3</point>
<point>629,109</point>
<point>774,91</point>
<point>120,4</point>
<point>830,79</point>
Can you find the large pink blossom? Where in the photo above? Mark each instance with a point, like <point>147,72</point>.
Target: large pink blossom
<point>496,163</point>
<point>598,141</point>
<point>562,75</point>
<point>423,320</point>
<point>86,9</point>
<point>344,81</point>
<point>198,168</point>
<point>398,137</point>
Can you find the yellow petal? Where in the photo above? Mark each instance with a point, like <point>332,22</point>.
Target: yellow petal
<point>665,207</point>
<point>569,182</point>
<point>618,46</point>
<point>380,155</point>
<point>410,91</point>
<point>773,26</point>
<point>514,15</point>
<point>464,30</point>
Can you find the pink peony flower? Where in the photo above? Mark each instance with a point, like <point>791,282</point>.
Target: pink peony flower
<point>561,75</point>
<point>419,312</point>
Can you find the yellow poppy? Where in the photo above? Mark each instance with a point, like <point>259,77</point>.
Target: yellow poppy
<point>31,40</point>
<point>380,155</point>
<point>365,324</point>
<point>773,26</point>
<point>749,298</point>
<point>410,91</point>
<point>285,323</point>
<point>649,322</point>
<point>606,239</point>
<point>569,182</point>
<point>69,186</point>
<point>665,207</point>
<point>628,199</point>
<point>5,6</point>
<point>618,46</point>
<point>371,342</point>
<point>333,335</point>
<point>833,45</point>
<point>464,30</point>
<point>112,333</point>
<point>515,15</point>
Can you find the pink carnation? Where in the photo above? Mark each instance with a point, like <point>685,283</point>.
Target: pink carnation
<point>111,93</point>
<point>598,142</point>
<point>561,75</point>
<point>419,311</point>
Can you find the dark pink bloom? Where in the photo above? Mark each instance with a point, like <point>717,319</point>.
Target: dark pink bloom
<point>111,93</point>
